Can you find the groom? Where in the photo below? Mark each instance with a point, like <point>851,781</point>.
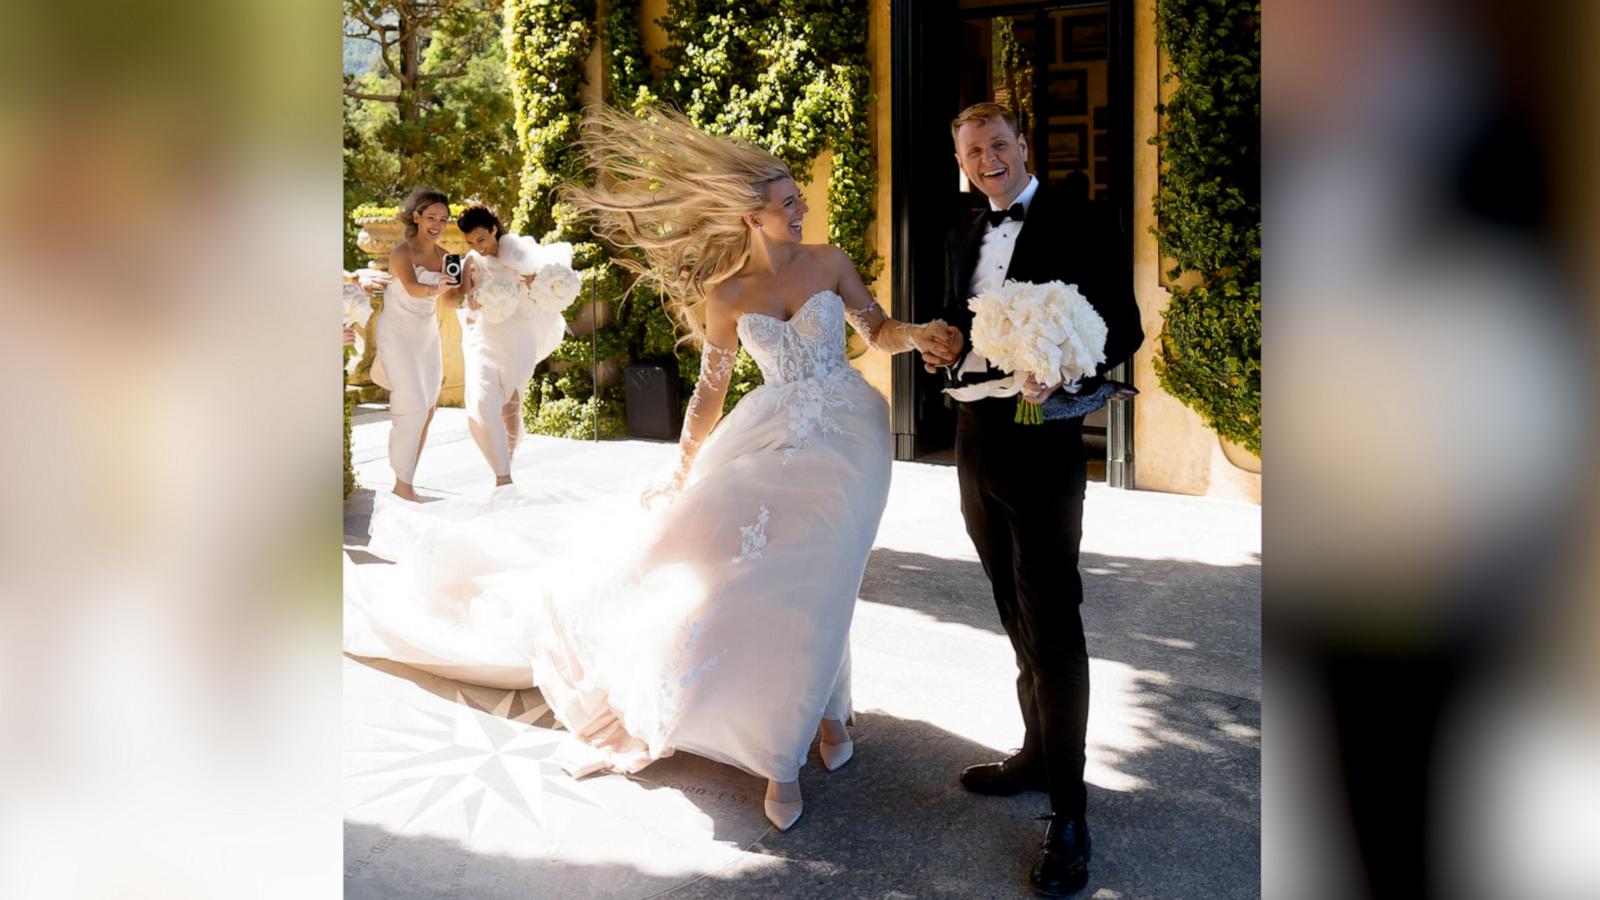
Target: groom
<point>1022,486</point>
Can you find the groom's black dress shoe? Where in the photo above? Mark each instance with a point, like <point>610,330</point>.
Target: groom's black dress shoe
<point>1063,866</point>
<point>1009,776</point>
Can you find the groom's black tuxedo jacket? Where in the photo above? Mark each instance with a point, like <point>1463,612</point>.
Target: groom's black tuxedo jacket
<point>1061,240</point>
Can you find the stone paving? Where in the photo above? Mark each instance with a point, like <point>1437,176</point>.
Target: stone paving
<point>448,791</point>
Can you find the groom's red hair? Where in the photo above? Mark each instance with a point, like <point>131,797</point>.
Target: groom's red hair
<point>983,112</point>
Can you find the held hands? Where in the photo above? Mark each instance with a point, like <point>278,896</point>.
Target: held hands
<point>940,345</point>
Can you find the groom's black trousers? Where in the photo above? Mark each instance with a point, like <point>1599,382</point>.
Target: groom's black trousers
<point>1022,490</point>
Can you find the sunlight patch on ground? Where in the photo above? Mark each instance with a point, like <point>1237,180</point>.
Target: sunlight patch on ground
<point>446,770</point>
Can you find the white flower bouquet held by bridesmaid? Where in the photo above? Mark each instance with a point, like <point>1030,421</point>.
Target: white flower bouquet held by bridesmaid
<point>1048,331</point>
<point>357,306</point>
<point>547,279</point>
<point>555,287</point>
<point>498,299</point>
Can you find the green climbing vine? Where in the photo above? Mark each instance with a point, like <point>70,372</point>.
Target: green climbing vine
<point>1208,210</point>
<point>790,76</point>
<point>547,42</point>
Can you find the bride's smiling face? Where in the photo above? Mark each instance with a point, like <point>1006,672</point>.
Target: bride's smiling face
<point>431,220</point>
<point>781,219</point>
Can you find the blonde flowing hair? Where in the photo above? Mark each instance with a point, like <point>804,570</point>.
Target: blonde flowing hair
<point>678,196</point>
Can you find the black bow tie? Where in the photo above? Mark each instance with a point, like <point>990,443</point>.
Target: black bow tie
<point>996,216</point>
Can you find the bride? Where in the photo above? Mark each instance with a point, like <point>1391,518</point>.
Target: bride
<point>723,630</point>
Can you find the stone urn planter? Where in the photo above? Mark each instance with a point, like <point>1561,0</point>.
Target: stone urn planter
<point>1240,456</point>
<point>589,317</point>
<point>607,374</point>
<point>379,235</point>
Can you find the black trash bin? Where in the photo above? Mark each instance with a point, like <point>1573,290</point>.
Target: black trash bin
<point>654,407</point>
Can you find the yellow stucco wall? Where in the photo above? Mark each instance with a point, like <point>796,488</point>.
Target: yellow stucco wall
<point>1173,450</point>
<point>653,36</point>
<point>874,365</point>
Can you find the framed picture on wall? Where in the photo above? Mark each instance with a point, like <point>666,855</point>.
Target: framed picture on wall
<point>1068,147</point>
<point>1084,37</point>
<point>1068,93</point>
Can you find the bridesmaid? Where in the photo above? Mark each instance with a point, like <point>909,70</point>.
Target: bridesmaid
<point>502,347</point>
<point>408,356</point>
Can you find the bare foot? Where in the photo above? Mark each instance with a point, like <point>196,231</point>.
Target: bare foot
<point>502,480</point>
<point>406,492</point>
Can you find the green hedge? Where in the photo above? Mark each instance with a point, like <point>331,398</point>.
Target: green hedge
<point>1208,210</point>
<point>369,211</point>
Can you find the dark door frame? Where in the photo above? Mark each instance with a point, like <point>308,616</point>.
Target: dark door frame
<point>922,39</point>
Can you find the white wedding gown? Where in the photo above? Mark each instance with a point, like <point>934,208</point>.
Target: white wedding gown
<point>719,626</point>
<point>499,357</point>
<point>410,364</point>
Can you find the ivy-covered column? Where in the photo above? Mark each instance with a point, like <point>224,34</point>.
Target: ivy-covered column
<point>547,44</point>
<point>1208,210</point>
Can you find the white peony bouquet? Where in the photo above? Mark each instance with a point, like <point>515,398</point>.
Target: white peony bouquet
<point>1045,330</point>
<point>555,287</point>
<point>357,307</point>
<point>499,297</point>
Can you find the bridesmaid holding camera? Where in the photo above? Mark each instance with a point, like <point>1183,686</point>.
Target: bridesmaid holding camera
<point>409,361</point>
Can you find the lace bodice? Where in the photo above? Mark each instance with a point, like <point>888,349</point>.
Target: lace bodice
<point>810,345</point>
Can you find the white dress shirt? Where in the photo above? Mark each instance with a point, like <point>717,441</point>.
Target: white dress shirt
<point>994,258</point>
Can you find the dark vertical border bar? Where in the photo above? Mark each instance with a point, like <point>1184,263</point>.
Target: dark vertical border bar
<point>922,174</point>
<point>908,24</point>
<point>1119,106</point>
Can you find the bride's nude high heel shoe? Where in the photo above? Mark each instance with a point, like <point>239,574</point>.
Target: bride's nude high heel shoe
<point>782,813</point>
<point>836,755</point>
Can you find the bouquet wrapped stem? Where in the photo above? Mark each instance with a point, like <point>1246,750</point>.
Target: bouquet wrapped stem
<point>1028,413</point>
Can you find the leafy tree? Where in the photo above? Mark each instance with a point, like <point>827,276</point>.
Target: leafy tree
<point>434,108</point>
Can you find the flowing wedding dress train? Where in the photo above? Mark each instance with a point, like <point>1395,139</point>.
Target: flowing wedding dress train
<point>719,626</point>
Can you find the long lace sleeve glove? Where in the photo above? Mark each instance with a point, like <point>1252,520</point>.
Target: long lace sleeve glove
<point>934,339</point>
<point>705,409</point>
